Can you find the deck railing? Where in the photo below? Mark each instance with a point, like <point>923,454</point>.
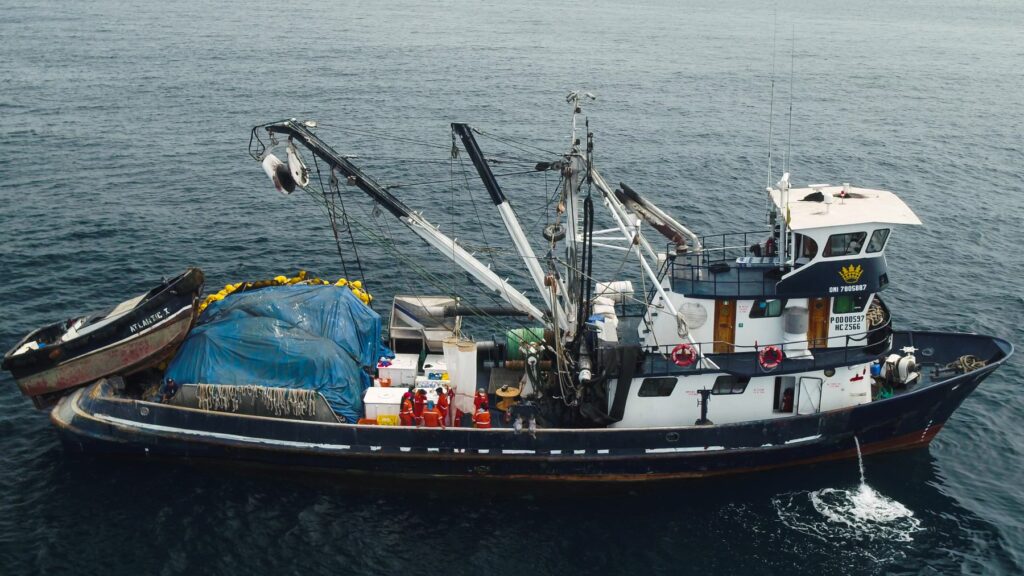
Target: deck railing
<point>744,359</point>
<point>731,245</point>
<point>716,272</point>
<point>722,279</point>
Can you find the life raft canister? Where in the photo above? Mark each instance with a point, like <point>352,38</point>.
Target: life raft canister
<point>770,357</point>
<point>684,355</point>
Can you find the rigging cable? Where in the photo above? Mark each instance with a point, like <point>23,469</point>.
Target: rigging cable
<point>586,264</point>
<point>451,206</point>
<point>332,209</point>
<point>518,144</point>
<point>389,241</point>
<point>426,182</point>
<point>332,217</point>
<point>381,136</point>
<point>436,281</point>
<point>336,189</point>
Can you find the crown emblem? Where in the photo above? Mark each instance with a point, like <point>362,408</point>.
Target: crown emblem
<point>851,273</point>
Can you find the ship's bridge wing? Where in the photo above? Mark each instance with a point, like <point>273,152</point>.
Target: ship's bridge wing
<point>809,208</point>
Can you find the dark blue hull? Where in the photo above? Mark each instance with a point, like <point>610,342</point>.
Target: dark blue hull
<point>95,420</point>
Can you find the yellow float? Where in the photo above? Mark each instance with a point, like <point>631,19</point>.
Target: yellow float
<point>355,286</point>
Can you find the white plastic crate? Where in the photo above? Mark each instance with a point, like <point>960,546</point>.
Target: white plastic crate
<point>434,367</point>
<point>378,401</point>
<point>402,370</point>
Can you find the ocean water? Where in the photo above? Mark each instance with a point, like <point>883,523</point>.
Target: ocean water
<point>123,159</point>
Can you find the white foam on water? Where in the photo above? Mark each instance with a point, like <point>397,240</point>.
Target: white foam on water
<point>854,525</point>
<point>859,515</point>
<point>862,513</point>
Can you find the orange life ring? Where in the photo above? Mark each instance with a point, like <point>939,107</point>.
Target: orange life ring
<point>684,355</point>
<point>770,357</point>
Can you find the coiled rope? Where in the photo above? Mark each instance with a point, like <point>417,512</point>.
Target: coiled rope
<point>875,315</point>
<point>966,363</point>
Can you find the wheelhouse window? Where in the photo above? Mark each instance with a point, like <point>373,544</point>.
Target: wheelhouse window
<point>878,238</point>
<point>729,384</point>
<point>850,304</point>
<point>807,249</point>
<point>767,308</point>
<point>654,387</point>
<point>848,244</point>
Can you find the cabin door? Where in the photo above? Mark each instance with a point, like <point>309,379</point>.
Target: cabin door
<point>809,397</point>
<point>725,326</point>
<point>817,323</point>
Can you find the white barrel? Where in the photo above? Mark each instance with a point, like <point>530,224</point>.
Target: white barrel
<point>618,291</point>
<point>609,323</point>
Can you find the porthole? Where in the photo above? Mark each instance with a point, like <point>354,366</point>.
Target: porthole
<point>927,352</point>
<point>830,372</point>
<point>672,437</point>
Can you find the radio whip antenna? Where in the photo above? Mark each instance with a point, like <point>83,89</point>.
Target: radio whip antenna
<point>771,105</point>
<point>789,138</point>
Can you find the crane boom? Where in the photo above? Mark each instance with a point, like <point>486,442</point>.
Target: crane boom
<point>413,220</point>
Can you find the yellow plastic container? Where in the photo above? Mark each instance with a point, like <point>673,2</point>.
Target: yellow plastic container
<point>387,419</point>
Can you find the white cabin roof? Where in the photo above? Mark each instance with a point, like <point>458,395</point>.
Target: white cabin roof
<point>861,206</point>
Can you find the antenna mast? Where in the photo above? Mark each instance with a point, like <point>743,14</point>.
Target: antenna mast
<point>771,106</point>
<point>574,168</point>
<point>789,137</point>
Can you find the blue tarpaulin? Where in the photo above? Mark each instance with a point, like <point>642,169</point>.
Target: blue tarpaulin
<point>309,337</point>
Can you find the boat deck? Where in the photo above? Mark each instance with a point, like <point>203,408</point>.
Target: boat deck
<point>746,364</point>
<point>935,353</point>
<point>744,361</point>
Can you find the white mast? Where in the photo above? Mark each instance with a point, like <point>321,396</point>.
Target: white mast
<point>783,186</point>
<point>508,217</point>
<point>573,170</point>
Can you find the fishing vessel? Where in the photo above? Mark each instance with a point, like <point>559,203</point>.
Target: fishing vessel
<point>132,336</point>
<point>729,353</point>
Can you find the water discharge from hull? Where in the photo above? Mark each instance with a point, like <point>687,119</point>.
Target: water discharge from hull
<point>860,461</point>
<point>862,517</point>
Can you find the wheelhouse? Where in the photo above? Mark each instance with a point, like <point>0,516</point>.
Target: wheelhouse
<point>805,291</point>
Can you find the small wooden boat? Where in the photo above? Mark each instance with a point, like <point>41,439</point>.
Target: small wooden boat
<point>136,334</point>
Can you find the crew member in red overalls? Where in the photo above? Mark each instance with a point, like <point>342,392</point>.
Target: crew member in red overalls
<point>432,417</point>
<point>418,403</point>
<point>482,418</point>
<point>405,415</point>
<point>442,404</point>
<point>480,398</point>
